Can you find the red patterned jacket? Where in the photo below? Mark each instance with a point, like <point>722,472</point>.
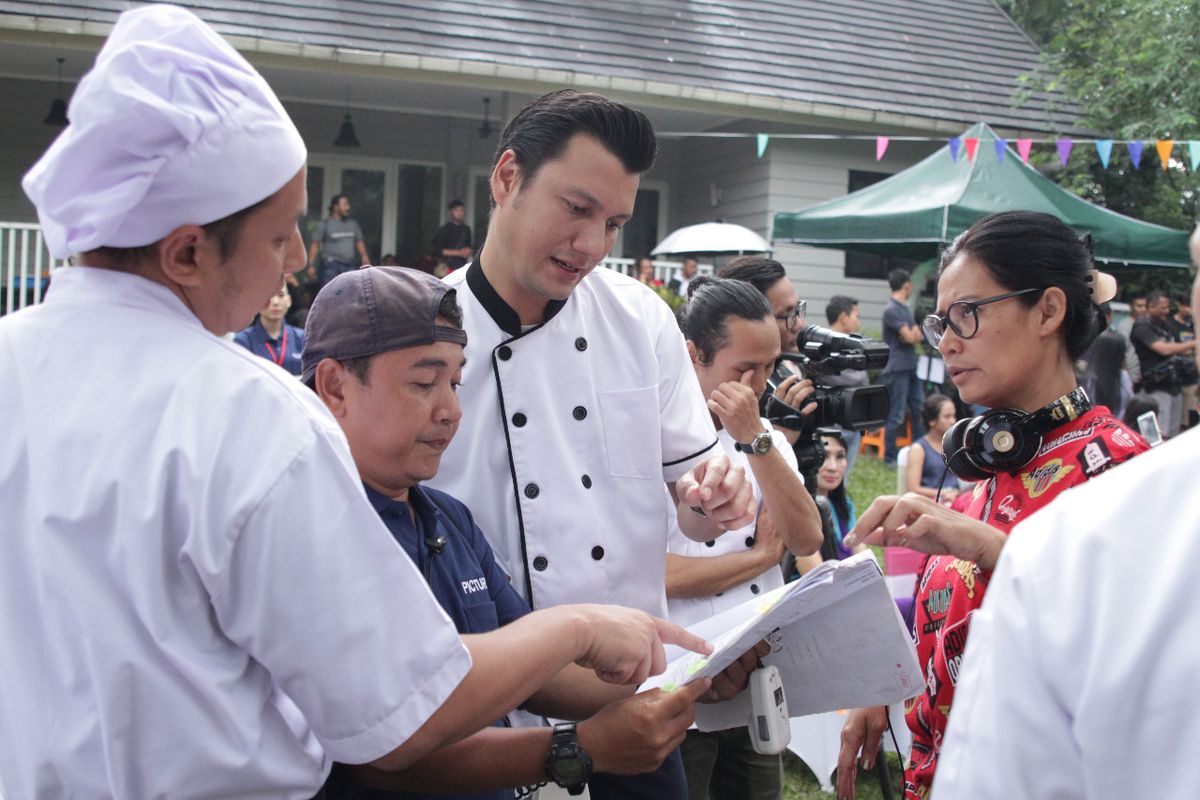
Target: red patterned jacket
<point>950,589</point>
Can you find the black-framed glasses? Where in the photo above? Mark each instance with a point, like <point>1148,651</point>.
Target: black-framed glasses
<point>794,315</point>
<point>962,318</point>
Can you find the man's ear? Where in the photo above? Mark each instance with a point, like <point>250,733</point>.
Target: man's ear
<point>330,381</point>
<point>506,177</point>
<point>693,353</point>
<point>185,254</point>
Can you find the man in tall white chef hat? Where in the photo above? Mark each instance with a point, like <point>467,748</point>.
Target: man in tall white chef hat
<point>196,598</point>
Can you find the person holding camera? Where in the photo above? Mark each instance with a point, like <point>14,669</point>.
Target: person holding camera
<point>1017,295</point>
<point>1163,358</point>
<point>732,342</point>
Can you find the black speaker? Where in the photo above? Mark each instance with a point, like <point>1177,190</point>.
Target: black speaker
<point>1006,439</point>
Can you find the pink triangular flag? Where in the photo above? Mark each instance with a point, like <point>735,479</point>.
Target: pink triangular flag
<point>1064,150</point>
<point>972,145</point>
<point>1023,147</point>
<point>881,143</point>
<point>1164,147</point>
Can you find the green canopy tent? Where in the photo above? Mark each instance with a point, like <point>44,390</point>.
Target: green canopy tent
<point>914,213</point>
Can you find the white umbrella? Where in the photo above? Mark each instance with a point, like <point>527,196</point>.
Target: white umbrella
<point>712,238</point>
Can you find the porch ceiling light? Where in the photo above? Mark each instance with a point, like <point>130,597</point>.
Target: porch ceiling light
<point>58,107</point>
<point>346,136</point>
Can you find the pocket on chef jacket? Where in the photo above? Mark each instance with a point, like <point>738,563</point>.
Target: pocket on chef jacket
<point>631,432</point>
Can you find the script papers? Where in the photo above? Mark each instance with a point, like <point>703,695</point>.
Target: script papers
<point>836,637</point>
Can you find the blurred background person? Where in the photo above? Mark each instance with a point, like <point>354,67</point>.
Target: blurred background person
<point>842,315</point>
<point>1106,380</point>
<point>905,392</point>
<point>338,242</point>
<point>452,242</point>
<point>271,337</point>
<point>1017,295</point>
<point>679,284</point>
<point>928,474</point>
<point>1163,360</point>
<point>645,272</point>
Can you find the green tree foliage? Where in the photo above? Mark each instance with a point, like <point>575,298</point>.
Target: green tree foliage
<point>1134,66</point>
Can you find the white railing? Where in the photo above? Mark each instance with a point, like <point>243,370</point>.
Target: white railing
<point>25,265</point>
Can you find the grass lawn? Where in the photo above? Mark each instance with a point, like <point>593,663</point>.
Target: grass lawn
<point>869,479</point>
<point>800,784</point>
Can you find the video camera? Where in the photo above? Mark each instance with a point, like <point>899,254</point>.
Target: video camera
<point>824,354</point>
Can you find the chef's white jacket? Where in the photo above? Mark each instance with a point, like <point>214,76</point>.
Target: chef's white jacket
<point>196,598</point>
<point>1080,673</point>
<point>569,430</point>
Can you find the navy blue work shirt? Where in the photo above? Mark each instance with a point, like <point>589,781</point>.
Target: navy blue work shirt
<point>284,351</point>
<point>464,577</point>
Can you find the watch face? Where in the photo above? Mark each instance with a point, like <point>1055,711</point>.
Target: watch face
<point>569,769</point>
<point>762,444</point>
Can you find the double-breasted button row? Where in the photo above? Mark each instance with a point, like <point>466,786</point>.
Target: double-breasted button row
<point>541,563</point>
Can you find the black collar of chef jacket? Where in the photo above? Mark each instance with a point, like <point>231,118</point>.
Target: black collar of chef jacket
<point>494,305</point>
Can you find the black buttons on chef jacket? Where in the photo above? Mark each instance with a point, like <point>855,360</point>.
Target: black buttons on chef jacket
<point>587,481</point>
<point>581,344</point>
<point>597,552</point>
<point>749,541</point>
<point>540,563</point>
<point>504,353</point>
<point>754,588</point>
<point>579,412</point>
<point>711,543</point>
<point>519,419</point>
<point>532,490</point>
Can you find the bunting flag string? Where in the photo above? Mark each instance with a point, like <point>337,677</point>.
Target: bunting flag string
<point>1165,148</point>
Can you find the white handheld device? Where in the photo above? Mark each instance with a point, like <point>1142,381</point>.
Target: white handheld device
<point>770,728</point>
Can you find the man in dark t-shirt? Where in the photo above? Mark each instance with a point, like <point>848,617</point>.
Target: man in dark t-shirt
<point>900,332</point>
<point>452,242</point>
<point>1156,347</point>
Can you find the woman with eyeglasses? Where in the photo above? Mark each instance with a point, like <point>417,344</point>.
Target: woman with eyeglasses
<point>1017,295</point>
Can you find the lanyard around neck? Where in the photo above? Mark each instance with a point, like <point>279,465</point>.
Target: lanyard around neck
<point>282,348</point>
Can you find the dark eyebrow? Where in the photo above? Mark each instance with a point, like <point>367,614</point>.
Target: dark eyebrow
<point>437,362</point>
<point>592,201</point>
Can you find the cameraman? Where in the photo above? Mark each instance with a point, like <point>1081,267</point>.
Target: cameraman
<point>842,315</point>
<point>769,277</point>
<point>732,345</point>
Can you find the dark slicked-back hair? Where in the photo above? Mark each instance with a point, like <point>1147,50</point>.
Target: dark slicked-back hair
<point>760,271</point>
<point>540,131</point>
<point>712,302</point>
<point>1028,249</point>
<point>897,278</point>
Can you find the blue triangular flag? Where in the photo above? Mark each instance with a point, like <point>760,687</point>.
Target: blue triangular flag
<point>763,138</point>
<point>1104,149</point>
<point>955,144</point>
<point>1135,154</point>
<point>1001,146</point>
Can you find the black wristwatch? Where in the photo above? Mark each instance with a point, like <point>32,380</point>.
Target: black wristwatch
<point>760,445</point>
<point>567,764</point>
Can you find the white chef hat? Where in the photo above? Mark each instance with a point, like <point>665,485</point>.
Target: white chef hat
<point>170,127</point>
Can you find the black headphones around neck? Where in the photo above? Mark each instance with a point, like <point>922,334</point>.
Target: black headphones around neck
<point>1006,439</point>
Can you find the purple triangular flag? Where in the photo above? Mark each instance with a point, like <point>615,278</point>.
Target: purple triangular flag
<point>1064,150</point>
<point>1135,154</point>
<point>1104,150</point>
<point>955,144</point>
<point>1001,146</point>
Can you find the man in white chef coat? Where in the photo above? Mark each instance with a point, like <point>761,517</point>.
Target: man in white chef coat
<point>196,598</point>
<point>579,399</point>
<point>1078,678</point>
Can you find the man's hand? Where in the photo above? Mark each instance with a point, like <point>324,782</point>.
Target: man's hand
<point>625,646</point>
<point>920,524</point>
<point>734,678</point>
<point>720,492</point>
<point>636,734</point>
<point>736,405</point>
<point>793,391</point>
<point>860,736</point>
